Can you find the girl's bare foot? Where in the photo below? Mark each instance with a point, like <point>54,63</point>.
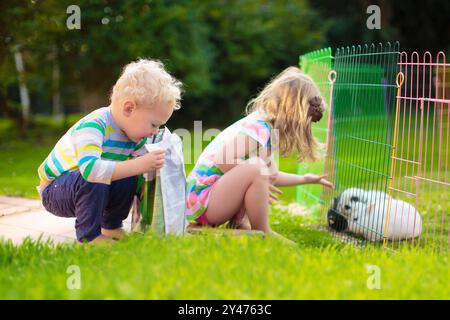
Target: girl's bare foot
<point>115,234</point>
<point>243,225</point>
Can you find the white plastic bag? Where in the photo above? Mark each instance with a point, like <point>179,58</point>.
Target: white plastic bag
<point>170,185</point>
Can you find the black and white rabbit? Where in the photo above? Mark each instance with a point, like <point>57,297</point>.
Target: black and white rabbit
<point>364,213</point>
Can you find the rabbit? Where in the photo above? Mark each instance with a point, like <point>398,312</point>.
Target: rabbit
<point>364,213</point>
<point>347,200</point>
<point>368,221</point>
<point>336,221</point>
<point>404,222</point>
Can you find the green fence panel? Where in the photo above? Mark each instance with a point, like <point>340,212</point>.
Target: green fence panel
<point>364,99</point>
<point>317,65</point>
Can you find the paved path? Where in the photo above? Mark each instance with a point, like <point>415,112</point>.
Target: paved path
<point>21,218</point>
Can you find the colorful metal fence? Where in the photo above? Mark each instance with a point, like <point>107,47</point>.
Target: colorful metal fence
<point>420,160</point>
<point>317,64</point>
<point>387,145</point>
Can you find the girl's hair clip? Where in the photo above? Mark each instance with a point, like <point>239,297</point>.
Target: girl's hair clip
<point>316,108</point>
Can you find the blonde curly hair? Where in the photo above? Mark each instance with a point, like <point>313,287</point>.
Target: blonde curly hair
<point>290,103</point>
<point>147,83</point>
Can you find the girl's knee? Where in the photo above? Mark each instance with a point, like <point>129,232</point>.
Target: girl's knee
<point>258,168</point>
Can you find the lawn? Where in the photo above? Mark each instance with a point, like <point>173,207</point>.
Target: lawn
<point>207,266</point>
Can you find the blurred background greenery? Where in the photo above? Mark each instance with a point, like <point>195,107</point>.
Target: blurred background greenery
<point>223,51</point>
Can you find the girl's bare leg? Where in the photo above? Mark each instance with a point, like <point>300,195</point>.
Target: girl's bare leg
<point>244,185</point>
<point>240,220</point>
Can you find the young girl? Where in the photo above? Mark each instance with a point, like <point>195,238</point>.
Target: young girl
<point>236,175</point>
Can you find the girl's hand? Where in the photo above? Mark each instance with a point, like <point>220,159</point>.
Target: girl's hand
<point>313,178</point>
<point>273,171</point>
<point>272,193</point>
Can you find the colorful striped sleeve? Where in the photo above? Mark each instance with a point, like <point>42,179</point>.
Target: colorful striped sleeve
<point>88,139</point>
<point>140,149</point>
<point>45,174</point>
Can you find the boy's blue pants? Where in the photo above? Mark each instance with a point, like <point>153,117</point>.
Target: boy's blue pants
<point>95,205</point>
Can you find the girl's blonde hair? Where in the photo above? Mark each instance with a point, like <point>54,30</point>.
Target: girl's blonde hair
<point>285,105</point>
<point>147,83</point>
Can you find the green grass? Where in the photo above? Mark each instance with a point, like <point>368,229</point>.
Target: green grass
<point>19,168</point>
<point>21,157</point>
<point>205,266</point>
<point>208,267</point>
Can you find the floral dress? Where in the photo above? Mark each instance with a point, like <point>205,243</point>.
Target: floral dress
<point>205,173</point>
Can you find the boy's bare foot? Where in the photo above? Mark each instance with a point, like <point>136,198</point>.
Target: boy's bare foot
<point>116,234</point>
<point>101,239</point>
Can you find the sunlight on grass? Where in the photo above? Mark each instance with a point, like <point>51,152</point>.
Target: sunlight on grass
<point>208,266</point>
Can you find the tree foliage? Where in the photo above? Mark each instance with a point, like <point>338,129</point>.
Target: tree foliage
<point>223,51</point>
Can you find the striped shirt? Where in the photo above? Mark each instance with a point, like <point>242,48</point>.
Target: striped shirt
<point>93,145</point>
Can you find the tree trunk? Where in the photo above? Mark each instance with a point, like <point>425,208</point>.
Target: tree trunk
<point>24,95</point>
